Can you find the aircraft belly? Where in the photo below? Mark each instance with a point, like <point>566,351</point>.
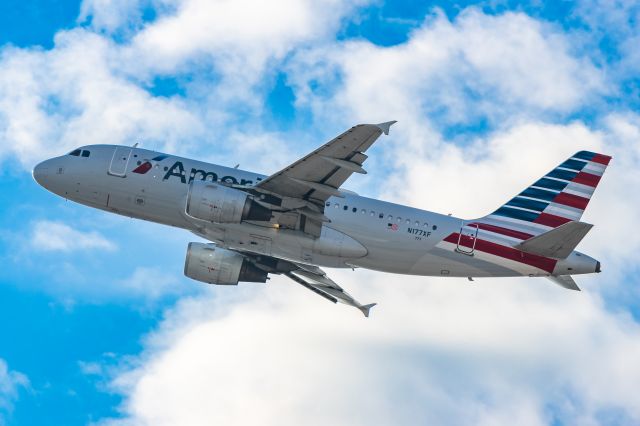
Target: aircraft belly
<point>333,249</point>
<point>440,262</point>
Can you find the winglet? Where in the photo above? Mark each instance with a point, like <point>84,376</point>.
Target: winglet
<point>365,308</point>
<point>386,126</point>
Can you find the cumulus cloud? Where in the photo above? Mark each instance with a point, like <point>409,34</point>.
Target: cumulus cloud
<point>51,101</point>
<point>240,27</point>
<point>57,236</point>
<point>92,89</point>
<point>498,68</point>
<point>435,351</point>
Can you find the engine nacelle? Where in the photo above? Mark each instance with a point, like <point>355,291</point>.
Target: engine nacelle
<point>214,265</point>
<point>220,204</point>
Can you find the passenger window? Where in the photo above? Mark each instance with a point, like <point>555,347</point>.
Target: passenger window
<point>346,208</point>
<point>372,214</point>
<point>399,219</point>
<point>75,153</point>
<point>390,218</point>
<point>336,205</point>
<point>417,223</point>
<point>408,221</point>
<point>425,224</point>
<point>85,153</point>
<point>355,209</point>
<point>327,204</point>
<point>363,211</point>
<point>381,215</point>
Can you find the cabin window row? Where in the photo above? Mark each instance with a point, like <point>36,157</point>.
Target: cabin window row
<point>381,215</point>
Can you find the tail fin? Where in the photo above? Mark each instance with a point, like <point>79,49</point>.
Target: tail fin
<point>559,197</point>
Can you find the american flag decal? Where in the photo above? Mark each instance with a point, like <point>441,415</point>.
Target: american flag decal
<point>392,226</point>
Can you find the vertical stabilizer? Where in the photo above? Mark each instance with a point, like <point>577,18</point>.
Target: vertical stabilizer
<point>559,197</point>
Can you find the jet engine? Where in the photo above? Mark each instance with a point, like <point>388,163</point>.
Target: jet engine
<point>214,265</point>
<point>220,204</point>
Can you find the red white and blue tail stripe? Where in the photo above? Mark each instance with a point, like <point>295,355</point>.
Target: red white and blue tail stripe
<point>559,197</point>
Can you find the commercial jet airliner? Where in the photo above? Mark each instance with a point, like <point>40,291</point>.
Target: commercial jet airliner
<point>299,219</point>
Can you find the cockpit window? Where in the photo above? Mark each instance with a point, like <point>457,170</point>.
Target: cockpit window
<point>75,152</point>
<point>85,153</point>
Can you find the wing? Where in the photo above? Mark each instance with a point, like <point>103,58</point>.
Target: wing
<point>303,187</point>
<point>310,277</point>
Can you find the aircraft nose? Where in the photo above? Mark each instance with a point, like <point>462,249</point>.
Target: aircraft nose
<point>42,172</point>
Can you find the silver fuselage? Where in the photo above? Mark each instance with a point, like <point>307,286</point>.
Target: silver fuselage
<point>362,232</point>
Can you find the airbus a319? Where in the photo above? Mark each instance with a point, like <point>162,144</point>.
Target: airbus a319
<point>300,219</point>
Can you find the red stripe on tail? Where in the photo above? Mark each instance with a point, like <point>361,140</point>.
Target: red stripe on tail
<point>587,179</point>
<point>571,200</point>
<point>551,220</point>
<point>540,262</point>
<point>602,159</point>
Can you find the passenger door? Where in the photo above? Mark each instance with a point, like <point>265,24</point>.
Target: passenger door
<point>120,161</point>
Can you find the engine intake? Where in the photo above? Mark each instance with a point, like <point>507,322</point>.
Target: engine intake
<point>220,204</point>
<point>214,265</point>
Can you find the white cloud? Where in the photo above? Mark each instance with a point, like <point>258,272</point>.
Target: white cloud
<point>242,32</point>
<point>112,15</point>
<point>51,101</point>
<point>152,283</point>
<point>10,384</point>
<point>56,236</point>
<point>90,368</point>
<point>91,89</point>
<point>433,352</point>
<point>502,68</point>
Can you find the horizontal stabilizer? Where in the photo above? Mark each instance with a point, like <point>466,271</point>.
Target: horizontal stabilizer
<point>557,243</point>
<point>565,281</point>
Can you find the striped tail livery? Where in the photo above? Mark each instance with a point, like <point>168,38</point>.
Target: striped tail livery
<point>540,227</point>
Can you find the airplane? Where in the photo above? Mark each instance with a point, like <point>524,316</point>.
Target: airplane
<point>300,219</point>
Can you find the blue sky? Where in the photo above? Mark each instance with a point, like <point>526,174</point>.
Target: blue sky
<point>98,323</point>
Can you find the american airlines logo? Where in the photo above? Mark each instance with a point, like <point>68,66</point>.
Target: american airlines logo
<point>147,165</point>
<point>178,171</point>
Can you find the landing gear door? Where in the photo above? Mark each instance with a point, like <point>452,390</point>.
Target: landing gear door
<point>467,238</point>
<point>120,161</point>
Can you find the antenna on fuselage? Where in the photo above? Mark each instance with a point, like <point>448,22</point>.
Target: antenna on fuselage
<point>236,166</point>
<point>135,145</point>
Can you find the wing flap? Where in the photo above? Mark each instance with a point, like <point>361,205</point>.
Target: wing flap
<point>324,286</point>
<point>310,277</point>
<point>557,243</point>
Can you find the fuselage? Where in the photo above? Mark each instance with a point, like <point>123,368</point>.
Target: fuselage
<point>362,232</point>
